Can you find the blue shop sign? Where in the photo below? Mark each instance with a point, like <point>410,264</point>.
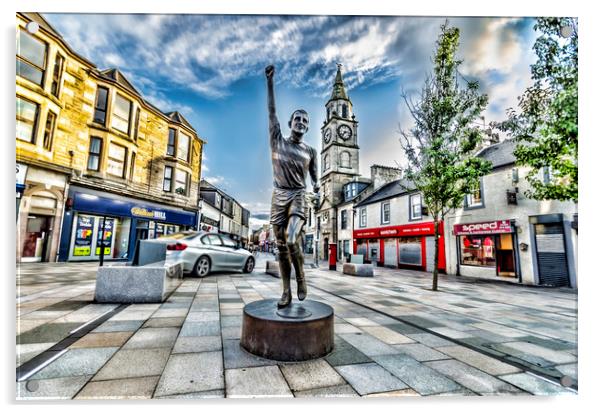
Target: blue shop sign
<point>107,206</point>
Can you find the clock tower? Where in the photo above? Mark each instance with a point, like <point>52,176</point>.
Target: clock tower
<point>340,151</point>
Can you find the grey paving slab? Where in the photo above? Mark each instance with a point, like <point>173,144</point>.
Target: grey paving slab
<point>451,333</point>
<point>535,385</point>
<point>153,338</point>
<point>479,360</point>
<point>387,335</point>
<point>202,316</point>
<point>134,363</point>
<point>135,388</point>
<point>164,322</point>
<point>430,340</point>
<point>193,372</point>
<point>77,362</point>
<point>204,328</point>
<point>210,394</point>
<point>368,345</point>
<point>569,370</point>
<point>25,352</point>
<point>344,353</point>
<point>420,352</point>
<point>310,375</point>
<point>235,357</point>
<point>56,388</point>
<point>265,381</point>
<point>197,344</point>
<point>404,329</point>
<point>345,328</point>
<point>471,378</point>
<point>47,333</point>
<point>113,326</point>
<point>423,379</point>
<point>370,378</point>
<point>535,350</point>
<point>334,391</point>
<point>231,321</point>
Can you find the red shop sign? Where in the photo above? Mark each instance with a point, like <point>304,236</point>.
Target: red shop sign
<point>493,227</point>
<point>426,228</point>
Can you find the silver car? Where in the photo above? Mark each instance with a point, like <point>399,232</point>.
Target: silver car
<point>202,253</point>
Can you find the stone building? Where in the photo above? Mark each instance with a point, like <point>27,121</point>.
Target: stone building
<point>104,167</point>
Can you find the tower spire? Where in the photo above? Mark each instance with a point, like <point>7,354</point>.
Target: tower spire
<point>338,89</point>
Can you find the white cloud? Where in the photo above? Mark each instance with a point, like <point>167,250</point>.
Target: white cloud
<point>218,181</point>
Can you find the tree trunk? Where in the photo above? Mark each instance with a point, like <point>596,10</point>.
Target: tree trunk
<point>436,258</point>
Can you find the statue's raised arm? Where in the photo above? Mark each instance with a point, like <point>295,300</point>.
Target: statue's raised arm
<point>269,74</point>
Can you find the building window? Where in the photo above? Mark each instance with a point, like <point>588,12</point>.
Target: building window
<point>49,130</point>
<point>116,160</point>
<point>218,201</point>
<point>27,115</point>
<point>344,219</point>
<point>31,58</point>
<point>136,124</point>
<point>183,146</point>
<point>121,114</point>
<point>171,142</point>
<point>326,162</point>
<point>345,159</point>
<point>475,200</point>
<point>56,75</point>
<point>94,154</point>
<point>478,250</point>
<point>100,107</point>
<point>547,175</point>
<point>363,217</point>
<point>345,111</point>
<point>132,165</point>
<point>415,207</point>
<point>385,215</point>
<point>181,182</point>
<point>167,178</point>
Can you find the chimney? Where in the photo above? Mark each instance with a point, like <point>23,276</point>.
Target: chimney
<point>381,175</point>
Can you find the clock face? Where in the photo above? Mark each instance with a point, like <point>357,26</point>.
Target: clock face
<point>327,135</point>
<point>344,132</point>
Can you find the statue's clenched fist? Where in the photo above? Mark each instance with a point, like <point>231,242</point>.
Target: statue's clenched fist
<point>269,72</point>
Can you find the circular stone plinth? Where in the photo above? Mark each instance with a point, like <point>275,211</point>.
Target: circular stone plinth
<point>301,331</point>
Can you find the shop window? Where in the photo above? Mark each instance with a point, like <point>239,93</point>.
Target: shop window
<point>363,217</point>
<point>385,213</point>
<point>171,142</point>
<point>89,237</point>
<point>31,58</point>
<point>116,160</point>
<point>344,219</point>
<point>94,154</point>
<point>410,251</point>
<point>49,130</point>
<point>475,200</point>
<point>478,250</point>
<point>56,75</point>
<point>100,106</point>
<point>181,182</point>
<point>345,159</point>
<point>167,178</point>
<point>183,146</point>
<point>415,207</point>
<point>121,114</point>
<point>27,116</point>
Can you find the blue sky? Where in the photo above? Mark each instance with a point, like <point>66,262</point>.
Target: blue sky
<point>210,68</point>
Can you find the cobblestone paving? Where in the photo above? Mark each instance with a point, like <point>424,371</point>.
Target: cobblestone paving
<point>393,337</point>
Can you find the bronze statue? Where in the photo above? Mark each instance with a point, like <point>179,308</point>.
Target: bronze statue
<point>291,159</point>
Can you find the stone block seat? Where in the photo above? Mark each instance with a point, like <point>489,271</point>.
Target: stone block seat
<point>150,282</point>
<point>358,270</point>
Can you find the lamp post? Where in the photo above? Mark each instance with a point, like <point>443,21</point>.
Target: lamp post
<point>316,220</point>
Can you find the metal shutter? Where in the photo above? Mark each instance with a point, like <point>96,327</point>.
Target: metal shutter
<point>551,255</point>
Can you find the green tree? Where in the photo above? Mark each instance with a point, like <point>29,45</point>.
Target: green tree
<point>545,123</point>
<point>440,147</point>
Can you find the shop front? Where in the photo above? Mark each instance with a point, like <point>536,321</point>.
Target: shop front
<point>104,224</point>
<point>208,224</point>
<point>487,249</point>
<point>404,246</point>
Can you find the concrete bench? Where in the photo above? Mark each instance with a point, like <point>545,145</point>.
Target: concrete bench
<point>149,278</point>
<point>358,270</point>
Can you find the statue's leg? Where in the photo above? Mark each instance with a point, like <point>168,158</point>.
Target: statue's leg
<point>284,261</point>
<point>293,231</point>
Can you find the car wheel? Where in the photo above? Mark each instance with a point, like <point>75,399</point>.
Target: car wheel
<point>249,265</point>
<point>202,266</point>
